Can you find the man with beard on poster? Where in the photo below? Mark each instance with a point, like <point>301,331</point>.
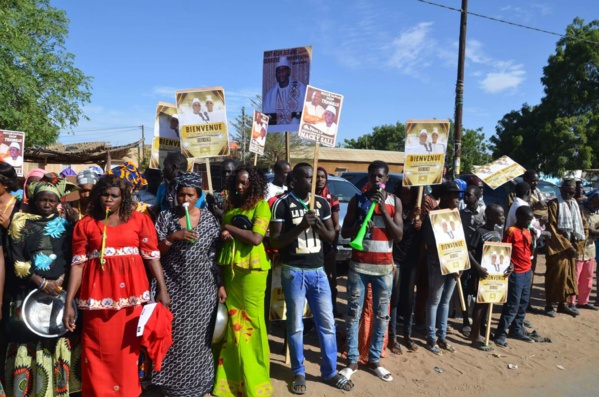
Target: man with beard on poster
<point>284,101</point>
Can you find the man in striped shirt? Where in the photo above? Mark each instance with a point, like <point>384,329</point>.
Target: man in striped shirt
<point>373,265</point>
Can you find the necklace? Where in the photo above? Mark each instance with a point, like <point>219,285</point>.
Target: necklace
<point>12,199</point>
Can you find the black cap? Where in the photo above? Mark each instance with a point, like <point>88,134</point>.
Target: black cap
<point>450,187</point>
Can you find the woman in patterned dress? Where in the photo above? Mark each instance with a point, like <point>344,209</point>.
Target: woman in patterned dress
<point>243,365</point>
<point>41,250</point>
<point>112,246</point>
<point>193,280</point>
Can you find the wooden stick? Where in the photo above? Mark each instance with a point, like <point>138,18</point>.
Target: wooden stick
<point>288,147</point>
<point>489,318</point>
<point>255,159</point>
<point>287,355</point>
<point>462,302</point>
<point>419,199</point>
<point>315,167</point>
<point>209,175</point>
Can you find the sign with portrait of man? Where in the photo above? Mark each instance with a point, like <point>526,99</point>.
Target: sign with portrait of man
<point>286,74</point>
<point>166,134</point>
<point>426,144</point>
<point>498,172</point>
<point>259,130</point>
<point>320,116</point>
<point>12,148</point>
<point>496,259</point>
<point>450,240</point>
<point>203,122</point>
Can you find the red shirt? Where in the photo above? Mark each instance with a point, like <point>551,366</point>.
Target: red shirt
<point>521,240</point>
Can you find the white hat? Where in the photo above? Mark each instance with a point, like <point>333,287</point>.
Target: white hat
<point>331,109</point>
<point>15,145</point>
<point>435,131</point>
<point>283,61</point>
<point>175,116</point>
<point>423,131</point>
<point>209,98</point>
<point>195,100</point>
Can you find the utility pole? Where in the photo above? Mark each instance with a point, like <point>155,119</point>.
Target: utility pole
<point>459,90</point>
<point>140,151</point>
<point>243,134</point>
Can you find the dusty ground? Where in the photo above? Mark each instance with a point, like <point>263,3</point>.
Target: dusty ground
<point>470,372</point>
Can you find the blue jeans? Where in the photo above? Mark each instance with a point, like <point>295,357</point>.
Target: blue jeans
<point>440,290</point>
<point>381,294</point>
<point>312,284</point>
<point>514,309</point>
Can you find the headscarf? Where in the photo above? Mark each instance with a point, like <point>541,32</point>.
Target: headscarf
<point>67,172</point>
<point>87,177</point>
<point>130,174</point>
<point>96,169</point>
<point>187,179</point>
<point>37,172</point>
<point>52,182</point>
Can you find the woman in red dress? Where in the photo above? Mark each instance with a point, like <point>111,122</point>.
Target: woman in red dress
<point>110,246</point>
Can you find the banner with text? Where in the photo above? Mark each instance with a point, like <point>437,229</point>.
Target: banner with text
<point>498,172</point>
<point>426,144</point>
<point>320,117</point>
<point>496,259</point>
<point>286,73</point>
<point>203,122</point>
<point>12,148</point>
<point>166,134</point>
<point>450,240</point>
<point>259,130</point>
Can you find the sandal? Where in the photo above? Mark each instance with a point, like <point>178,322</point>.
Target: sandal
<point>501,342</point>
<point>443,344</point>
<point>347,372</point>
<point>410,344</point>
<point>299,385</point>
<point>395,348</point>
<point>466,330</point>
<point>341,382</point>
<point>434,348</point>
<point>481,346</point>
<point>381,372</point>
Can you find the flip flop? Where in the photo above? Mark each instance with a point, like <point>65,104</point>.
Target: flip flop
<point>482,347</point>
<point>347,372</point>
<point>443,344</point>
<point>341,382</point>
<point>381,372</point>
<point>411,345</point>
<point>298,383</point>
<point>466,330</point>
<point>396,348</point>
<point>434,348</point>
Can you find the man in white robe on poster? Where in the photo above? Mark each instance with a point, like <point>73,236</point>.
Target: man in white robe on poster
<point>284,101</point>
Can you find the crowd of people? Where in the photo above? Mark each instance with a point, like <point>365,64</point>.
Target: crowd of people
<point>131,238</point>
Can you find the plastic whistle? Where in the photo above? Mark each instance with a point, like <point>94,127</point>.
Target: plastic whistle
<point>102,260</point>
<point>188,219</point>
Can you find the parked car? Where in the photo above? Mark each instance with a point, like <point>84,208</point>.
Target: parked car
<point>344,191</point>
<point>359,179</point>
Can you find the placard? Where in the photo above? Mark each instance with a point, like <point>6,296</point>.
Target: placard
<point>12,148</point>
<point>499,172</point>
<point>426,145</point>
<point>320,116</point>
<point>203,122</point>
<point>259,131</point>
<point>450,240</point>
<point>496,259</point>
<point>286,74</point>
<point>278,309</point>
<point>166,134</point>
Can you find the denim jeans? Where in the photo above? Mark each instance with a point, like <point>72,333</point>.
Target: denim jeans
<point>440,290</point>
<point>514,309</point>
<point>381,294</point>
<point>311,284</point>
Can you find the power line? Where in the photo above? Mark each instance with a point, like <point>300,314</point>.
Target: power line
<point>509,23</point>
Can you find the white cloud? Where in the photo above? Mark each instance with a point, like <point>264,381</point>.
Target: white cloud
<point>164,91</point>
<point>413,49</point>
<point>496,82</point>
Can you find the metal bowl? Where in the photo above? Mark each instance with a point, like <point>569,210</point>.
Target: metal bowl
<point>42,313</point>
<point>220,325</point>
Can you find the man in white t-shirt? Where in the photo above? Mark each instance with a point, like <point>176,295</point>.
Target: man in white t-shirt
<point>277,186</point>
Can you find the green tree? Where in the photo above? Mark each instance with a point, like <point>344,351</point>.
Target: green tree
<point>562,132</point>
<point>41,91</point>
<point>475,150</point>
<point>384,137</point>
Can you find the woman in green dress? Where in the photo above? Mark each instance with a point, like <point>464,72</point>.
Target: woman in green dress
<point>243,367</point>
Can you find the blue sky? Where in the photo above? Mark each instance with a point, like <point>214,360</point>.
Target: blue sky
<point>392,60</point>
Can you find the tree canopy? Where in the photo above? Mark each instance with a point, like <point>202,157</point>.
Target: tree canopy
<point>384,137</point>
<point>562,132</point>
<point>41,91</point>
